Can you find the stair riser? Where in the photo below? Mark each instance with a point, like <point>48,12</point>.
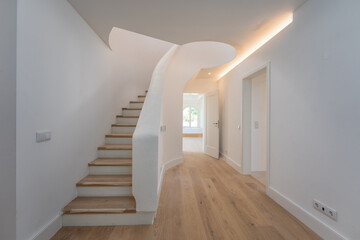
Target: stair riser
<point>127,120</point>
<point>136,105</point>
<point>114,153</point>
<point>131,112</point>
<point>115,140</point>
<point>108,219</point>
<point>104,191</point>
<point>122,129</point>
<point>142,99</point>
<point>110,170</point>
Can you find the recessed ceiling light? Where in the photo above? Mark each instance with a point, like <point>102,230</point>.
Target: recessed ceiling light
<point>209,73</point>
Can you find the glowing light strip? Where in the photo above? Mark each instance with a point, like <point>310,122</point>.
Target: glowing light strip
<point>288,19</point>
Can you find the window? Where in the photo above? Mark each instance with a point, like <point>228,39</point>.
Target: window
<point>190,117</point>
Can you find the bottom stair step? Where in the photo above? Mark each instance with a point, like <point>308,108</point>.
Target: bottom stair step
<point>101,205</point>
<point>104,211</point>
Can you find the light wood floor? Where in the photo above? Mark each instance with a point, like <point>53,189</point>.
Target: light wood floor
<point>192,144</point>
<point>260,176</point>
<point>205,198</point>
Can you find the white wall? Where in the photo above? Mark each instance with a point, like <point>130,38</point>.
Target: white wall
<point>258,114</point>
<point>7,118</point>
<point>134,59</point>
<point>200,85</point>
<point>67,84</point>
<point>147,153</point>
<point>315,104</point>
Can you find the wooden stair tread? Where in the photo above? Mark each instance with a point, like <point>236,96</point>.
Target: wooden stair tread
<point>141,95</point>
<point>132,109</point>
<point>106,180</point>
<point>121,116</point>
<point>115,147</point>
<point>136,101</point>
<point>111,162</point>
<point>100,205</point>
<point>119,135</point>
<point>123,125</point>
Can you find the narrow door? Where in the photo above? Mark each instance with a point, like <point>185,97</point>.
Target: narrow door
<point>211,146</point>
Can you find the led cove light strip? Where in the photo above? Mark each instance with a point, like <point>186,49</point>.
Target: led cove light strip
<point>288,19</point>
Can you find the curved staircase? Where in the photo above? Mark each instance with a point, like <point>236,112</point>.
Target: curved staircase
<point>104,197</point>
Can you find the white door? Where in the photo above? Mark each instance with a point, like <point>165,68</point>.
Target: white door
<point>211,143</point>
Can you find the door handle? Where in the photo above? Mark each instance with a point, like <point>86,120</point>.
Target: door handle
<point>216,124</point>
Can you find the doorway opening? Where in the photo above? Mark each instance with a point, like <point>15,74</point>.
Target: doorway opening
<point>255,121</point>
<point>193,122</point>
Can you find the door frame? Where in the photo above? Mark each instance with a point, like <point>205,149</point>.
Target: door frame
<point>247,125</point>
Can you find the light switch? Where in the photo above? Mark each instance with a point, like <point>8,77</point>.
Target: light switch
<point>42,136</point>
<point>163,128</point>
<point>256,124</point>
<point>238,127</point>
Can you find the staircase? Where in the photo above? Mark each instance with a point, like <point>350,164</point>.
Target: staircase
<point>104,197</point>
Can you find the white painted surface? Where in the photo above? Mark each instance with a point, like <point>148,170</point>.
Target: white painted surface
<point>104,191</point>
<point>131,71</point>
<point>224,21</point>
<point>116,140</point>
<point>140,218</point>
<point>146,147</point>
<point>114,153</point>
<point>7,118</point>
<point>201,85</point>
<point>258,123</point>
<point>109,170</point>
<point>116,129</point>
<point>71,83</point>
<point>47,231</point>
<point>314,108</point>
<point>211,136</point>
<point>131,112</point>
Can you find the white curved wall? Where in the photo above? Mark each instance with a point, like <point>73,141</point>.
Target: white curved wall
<point>146,141</point>
<point>134,57</point>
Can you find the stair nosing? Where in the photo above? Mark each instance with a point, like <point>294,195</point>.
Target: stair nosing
<point>123,125</point>
<point>126,163</point>
<point>122,116</point>
<point>95,183</point>
<point>115,147</point>
<point>118,135</point>
<point>132,109</point>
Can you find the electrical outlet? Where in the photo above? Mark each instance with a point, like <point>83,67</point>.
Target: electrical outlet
<point>42,136</point>
<point>325,209</point>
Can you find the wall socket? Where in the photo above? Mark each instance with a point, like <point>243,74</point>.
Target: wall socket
<point>42,136</point>
<point>331,213</point>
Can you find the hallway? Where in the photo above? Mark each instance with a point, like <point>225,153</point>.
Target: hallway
<point>206,199</point>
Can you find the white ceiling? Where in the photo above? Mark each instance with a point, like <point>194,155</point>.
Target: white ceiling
<point>234,22</point>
